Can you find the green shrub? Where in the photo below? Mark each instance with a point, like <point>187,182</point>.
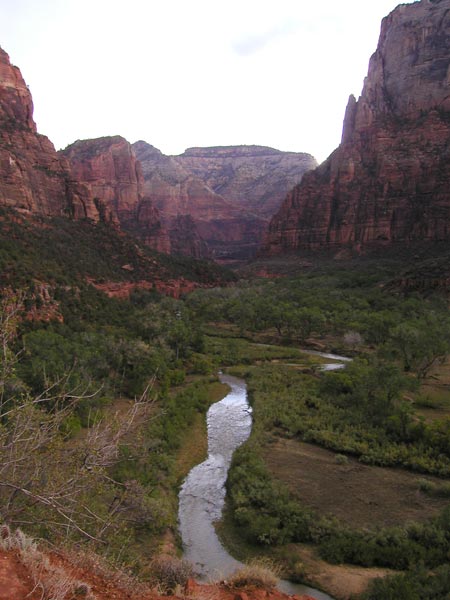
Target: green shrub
<point>341,459</point>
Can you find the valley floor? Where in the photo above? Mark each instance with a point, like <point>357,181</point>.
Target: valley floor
<point>357,494</point>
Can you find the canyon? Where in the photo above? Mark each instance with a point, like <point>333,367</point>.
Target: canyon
<point>206,203</point>
<point>385,186</point>
<point>224,194</point>
<point>387,182</point>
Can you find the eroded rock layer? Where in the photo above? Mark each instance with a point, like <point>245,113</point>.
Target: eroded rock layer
<point>219,198</point>
<point>389,180</point>
<point>254,177</point>
<point>200,221</point>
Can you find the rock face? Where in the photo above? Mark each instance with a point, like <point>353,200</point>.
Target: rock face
<point>389,180</point>
<point>108,167</point>
<point>33,178</point>
<point>103,181</point>
<point>254,177</point>
<point>218,200</point>
<point>200,221</point>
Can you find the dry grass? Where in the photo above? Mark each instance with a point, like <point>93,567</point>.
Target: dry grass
<point>169,573</point>
<point>194,445</point>
<point>120,579</point>
<point>53,582</point>
<point>340,581</point>
<point>360,495</point>
<point>258,573</point>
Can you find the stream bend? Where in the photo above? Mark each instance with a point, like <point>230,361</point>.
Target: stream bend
<point>202,495</point>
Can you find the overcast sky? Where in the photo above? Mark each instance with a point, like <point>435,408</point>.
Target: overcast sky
<point>182,73</point>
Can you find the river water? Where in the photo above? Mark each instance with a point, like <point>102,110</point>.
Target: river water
<point>202,495</point>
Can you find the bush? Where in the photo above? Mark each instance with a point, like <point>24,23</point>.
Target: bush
<point>412,585</point>
<point>168,572</point>
<point>258,573</point>
<point>341,459</point>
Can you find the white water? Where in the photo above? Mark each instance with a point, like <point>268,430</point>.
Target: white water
<point>202,495</point>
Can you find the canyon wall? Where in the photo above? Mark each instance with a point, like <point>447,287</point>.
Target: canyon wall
<point>94,179</point>
<point>389,180</point>
<point>200,221</point>
<point>33,177</point>
<point>223,195</point>
<point>109,168</point>
<point>256,178</point>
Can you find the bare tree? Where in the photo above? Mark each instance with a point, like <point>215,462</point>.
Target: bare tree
<point>353,339</point>
<point>44,477</point>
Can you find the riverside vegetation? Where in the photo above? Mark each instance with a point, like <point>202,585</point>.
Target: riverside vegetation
<point>97,394</point>
<point>103,393</point>
<point>389,407</point>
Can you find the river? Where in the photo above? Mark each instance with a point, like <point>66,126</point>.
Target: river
<point>202,495</point>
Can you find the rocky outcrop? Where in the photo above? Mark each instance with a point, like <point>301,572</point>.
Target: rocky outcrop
<point>256,178</point>
<point>108,167</point>
<point>33,177</point>
<point>168,287</point>
<point>389,180</point>
<point>219,198</point>
<point>201,222</point>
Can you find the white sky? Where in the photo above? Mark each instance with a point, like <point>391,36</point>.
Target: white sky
<point>181,73</point>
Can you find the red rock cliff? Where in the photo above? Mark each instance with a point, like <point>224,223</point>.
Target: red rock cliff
<point>33,178</point>
<point>108,167</point>
<point>201,222</point>
<point>220,196</point>
<point>389,180</point>
<point>254,177</point>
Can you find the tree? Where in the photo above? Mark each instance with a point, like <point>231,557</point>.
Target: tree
<point>372,389</point>
<point>353,339</point>
<point>305,321</point>
<point>43,478</point>
<point>420,344</point>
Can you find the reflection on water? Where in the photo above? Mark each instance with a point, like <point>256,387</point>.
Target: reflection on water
<point>202,495</point>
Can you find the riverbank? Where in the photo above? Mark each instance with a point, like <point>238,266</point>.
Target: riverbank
<point>202,495</point>
<point>194,441</point>
<point>300,562</point>
<point>285,492</point>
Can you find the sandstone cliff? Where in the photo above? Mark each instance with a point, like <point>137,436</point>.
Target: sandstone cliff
<point>388,182</point>
<point>108,167</point>
<point>223,195</point>
<point>33,178</point>
<point>200,221</point>
<point>254,177</point>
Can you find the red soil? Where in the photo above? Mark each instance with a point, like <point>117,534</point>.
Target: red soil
<point>16,583</point>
